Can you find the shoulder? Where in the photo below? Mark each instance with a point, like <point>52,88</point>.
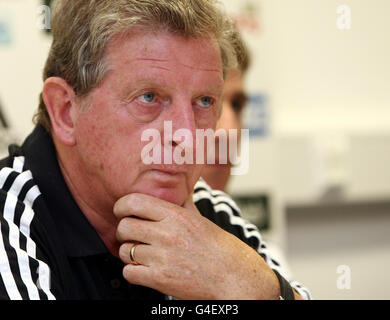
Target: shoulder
<point>216,198</point>
<point>16,183</point>
<point>220,208</point>
<point>24,272</point>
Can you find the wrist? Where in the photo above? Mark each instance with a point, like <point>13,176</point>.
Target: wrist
<point>285,289</point>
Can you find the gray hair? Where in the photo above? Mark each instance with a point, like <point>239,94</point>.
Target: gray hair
<point>82,30</point>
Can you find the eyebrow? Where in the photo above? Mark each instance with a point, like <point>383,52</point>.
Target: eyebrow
<point>151,82</point>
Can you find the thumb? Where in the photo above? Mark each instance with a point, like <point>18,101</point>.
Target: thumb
<point>189,204</point>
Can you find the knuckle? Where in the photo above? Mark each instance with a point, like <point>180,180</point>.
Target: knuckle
<point>179,241</point>
<point>167,238</point>
<point>126,203</point>
<point>135,203</point>
<point>177,217</point>
<point>121,204</point>
<point>127,272</point>
<point>123,228</point>
<point>130,274</point>
<point>124,251</point>
<point>178,213</point>
<point>122,225</point>
<point>129,202</point>
<point>163,277</point>
<point>173,240</point>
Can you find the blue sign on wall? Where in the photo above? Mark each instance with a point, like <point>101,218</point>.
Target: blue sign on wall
<point>5,31</point>
<point>257,118</point>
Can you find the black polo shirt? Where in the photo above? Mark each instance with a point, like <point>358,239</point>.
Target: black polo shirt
<point>49,250</point>
<point>81,266</point>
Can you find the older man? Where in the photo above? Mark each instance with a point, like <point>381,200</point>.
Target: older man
<point>83,217</point>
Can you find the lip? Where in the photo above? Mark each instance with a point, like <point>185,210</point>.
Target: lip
<point>166,177</point>
<point>168,170</point>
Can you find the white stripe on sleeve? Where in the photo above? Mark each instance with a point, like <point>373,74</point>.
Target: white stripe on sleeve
<point>6,274</point>
<point>22,256</point>
<point>4,173</point>
<point>11,202</point>
<point>18,164</point>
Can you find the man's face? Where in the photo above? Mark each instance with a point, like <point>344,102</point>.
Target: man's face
<point>234,101</point>
<point>153,77</point>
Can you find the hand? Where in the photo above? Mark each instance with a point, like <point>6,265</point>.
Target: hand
<point>184,255</point>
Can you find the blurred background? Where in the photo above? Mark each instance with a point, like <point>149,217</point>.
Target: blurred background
<point>319,117</point>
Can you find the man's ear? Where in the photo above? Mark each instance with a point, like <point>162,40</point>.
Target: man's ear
<point>59,98</point>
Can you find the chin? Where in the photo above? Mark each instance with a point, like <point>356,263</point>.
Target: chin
<point>170,187</point>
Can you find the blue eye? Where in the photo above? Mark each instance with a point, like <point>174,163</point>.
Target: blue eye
<point>147,97</point>
<point>205,102</point>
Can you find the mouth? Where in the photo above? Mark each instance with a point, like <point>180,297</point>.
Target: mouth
<point>166,172</point>
<point>168,169</point>
<point>167,176</point>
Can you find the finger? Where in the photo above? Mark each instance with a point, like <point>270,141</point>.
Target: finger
<point>143,254</point>
<point>134,229</point>
<point>143,206</point>
<point>138,275</point>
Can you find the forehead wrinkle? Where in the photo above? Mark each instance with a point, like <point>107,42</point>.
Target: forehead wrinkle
<point>151,82</point>
<point>168,60</point>
<point>160,68</point>
<point>151,59</point>
<point>167,69</point>
<point>200,69</point>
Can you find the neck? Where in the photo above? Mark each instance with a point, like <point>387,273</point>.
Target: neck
<point>94,205</point>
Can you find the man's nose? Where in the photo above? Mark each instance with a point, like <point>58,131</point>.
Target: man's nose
<point>181,121</point>
<point>183,124</point>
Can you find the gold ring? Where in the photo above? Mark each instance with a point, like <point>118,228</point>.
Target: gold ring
<point>132,255</point>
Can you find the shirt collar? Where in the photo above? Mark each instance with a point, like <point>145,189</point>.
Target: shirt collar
<point>79,236</point>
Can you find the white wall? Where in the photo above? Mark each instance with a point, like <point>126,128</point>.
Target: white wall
<point>321,78</point>
<point>325,85</point>
<point>21,63</point>
<point>328,79</point>
<point>322,239</point>
<point>329,93</point>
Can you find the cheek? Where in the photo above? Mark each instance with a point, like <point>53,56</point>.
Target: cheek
<point>210,122</point>
<point>93,138</point>
<point>108,147</point>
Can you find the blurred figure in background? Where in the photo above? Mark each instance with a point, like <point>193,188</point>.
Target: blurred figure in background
<point>234,101</point>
